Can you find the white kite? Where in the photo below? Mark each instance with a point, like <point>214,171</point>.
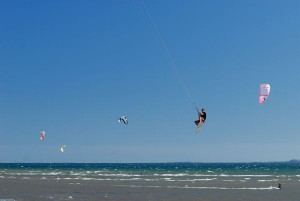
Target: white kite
<point>123,119</point>
<point>62,148</point>
<point>42,136</point>
<point>264,92</point>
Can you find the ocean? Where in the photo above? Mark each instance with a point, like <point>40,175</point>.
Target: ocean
<point>150,181</point>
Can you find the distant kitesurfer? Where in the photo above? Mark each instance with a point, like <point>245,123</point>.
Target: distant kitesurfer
<point>279,186</point>
<point>202,115</point>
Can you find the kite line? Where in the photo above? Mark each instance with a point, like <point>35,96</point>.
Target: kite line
<point>166,49</point>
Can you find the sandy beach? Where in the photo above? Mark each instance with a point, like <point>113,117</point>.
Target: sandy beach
<point>22,189</point>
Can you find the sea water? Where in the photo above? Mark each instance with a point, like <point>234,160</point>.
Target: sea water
<point>150,181</point>
<point>261,176</point>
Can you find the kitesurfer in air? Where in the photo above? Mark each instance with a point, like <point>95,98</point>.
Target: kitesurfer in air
<point>201,116</point>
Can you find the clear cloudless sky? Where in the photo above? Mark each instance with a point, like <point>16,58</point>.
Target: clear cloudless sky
<point>72,68</point>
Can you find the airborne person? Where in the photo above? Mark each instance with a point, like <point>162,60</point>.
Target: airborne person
<point>201,115</point>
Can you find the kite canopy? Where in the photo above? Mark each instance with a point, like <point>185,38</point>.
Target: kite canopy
<point>264,92</point>
<point>62,148</point>
<point>42,135</point>
<point>123,119</point>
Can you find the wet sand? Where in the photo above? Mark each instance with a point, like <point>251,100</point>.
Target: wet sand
<point>31,189</point>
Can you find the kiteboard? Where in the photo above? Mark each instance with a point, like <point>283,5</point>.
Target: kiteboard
<point>199,125</point>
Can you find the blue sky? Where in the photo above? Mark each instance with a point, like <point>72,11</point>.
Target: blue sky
<point>72,68</point>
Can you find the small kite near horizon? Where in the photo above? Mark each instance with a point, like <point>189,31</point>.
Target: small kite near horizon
<point>42,136</point>
<point>62,148</point>
<point>264,92</point>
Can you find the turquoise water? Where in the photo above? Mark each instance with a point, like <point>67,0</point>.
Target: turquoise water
<point>172,172</point>
<point>150,181</point>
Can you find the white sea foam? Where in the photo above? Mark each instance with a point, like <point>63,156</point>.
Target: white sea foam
<point>152,179</point>
<point>168,179</point>
<point>174,175</point>
<point>226,175</point>
<point>22,174</point>
<point>205,187</point>
<point>67,178</point>
<point>78,174</point>
<point>266,180</point>
<point>118,175</point>
<point>136,179</point>
<point>204,179</point>
<point>52,173</point>
<point>211,175</point>
<point>203,175</point>
<point>86,178</point>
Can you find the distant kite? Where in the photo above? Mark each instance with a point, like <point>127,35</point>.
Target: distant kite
<point>264,92</point>
<point>42,137</point>
<point>62,148</point>
<point>123,119</point>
